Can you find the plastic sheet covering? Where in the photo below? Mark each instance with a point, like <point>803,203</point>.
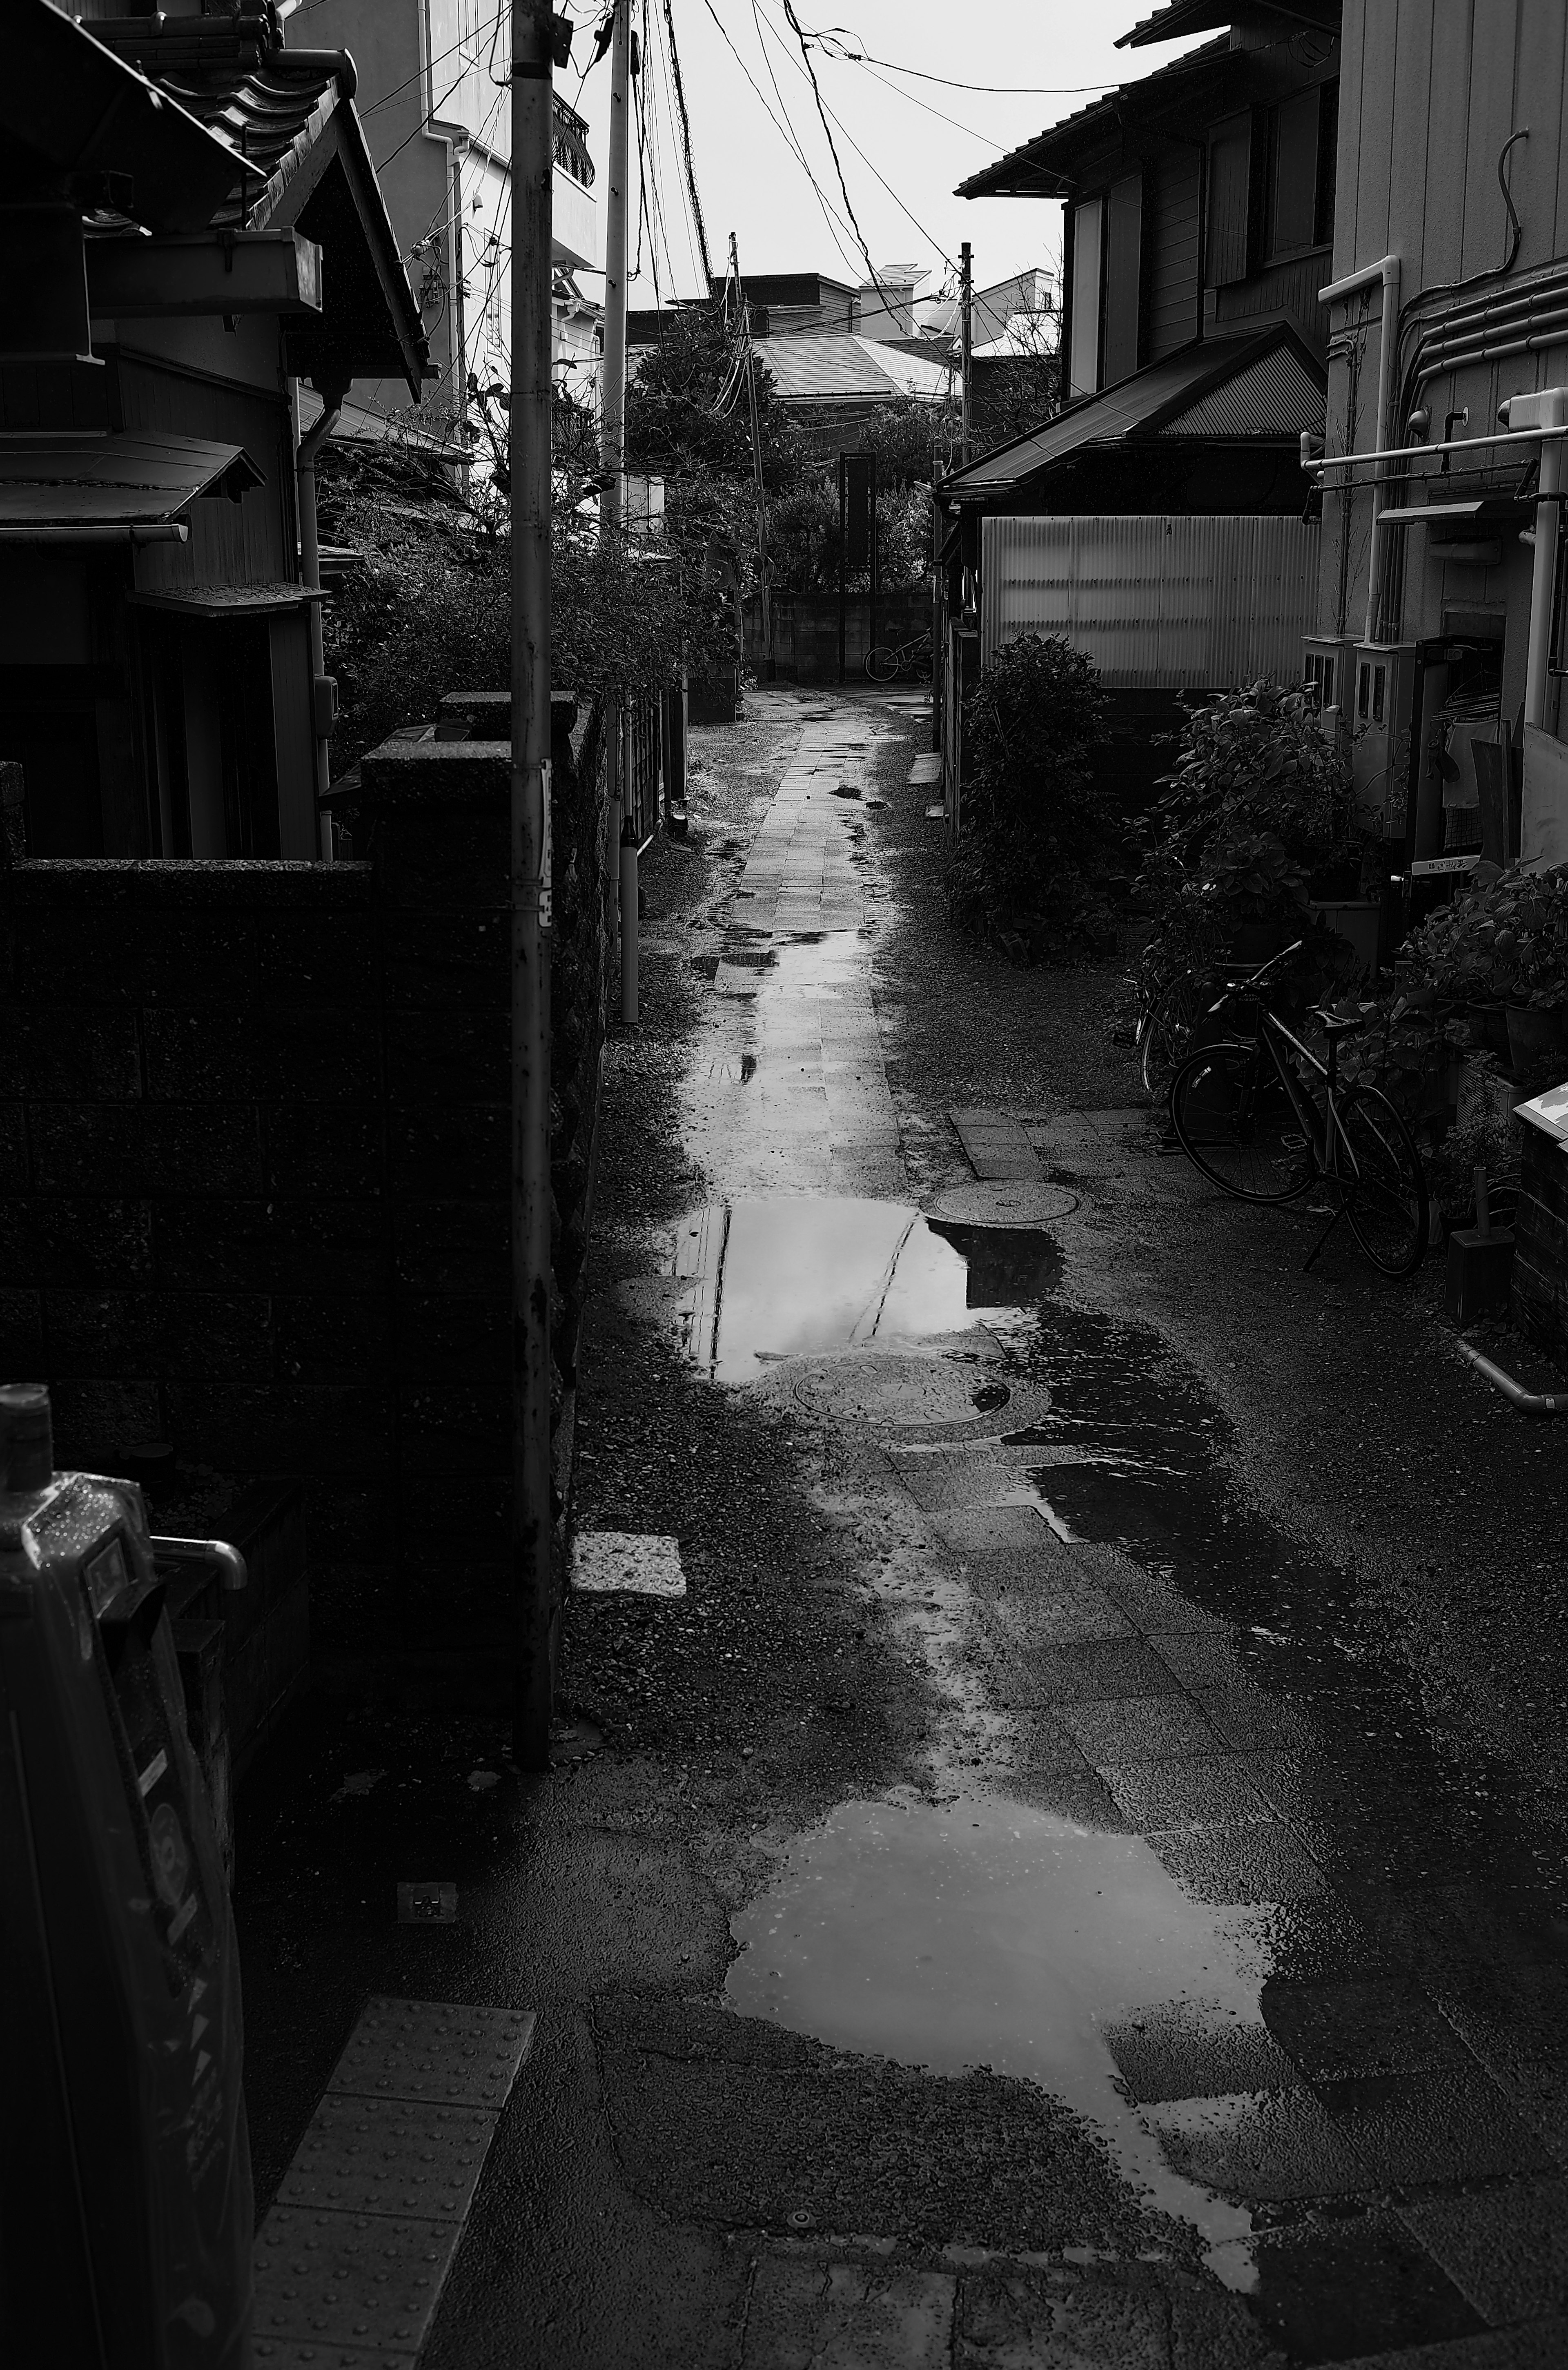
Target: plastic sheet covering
<point>1158,602</point>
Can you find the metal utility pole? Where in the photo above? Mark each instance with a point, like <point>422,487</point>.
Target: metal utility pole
<point>612,455</point>
<point>533,337</point>
<point>756,451</point>
<point>966,332</point>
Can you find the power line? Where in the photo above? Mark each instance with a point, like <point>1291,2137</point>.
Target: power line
<point>816,92</point>
<point>832,45</point>
<point>827,113</point>
<point>685,144</point>
<point>660,48</point>
<point>788,137</point>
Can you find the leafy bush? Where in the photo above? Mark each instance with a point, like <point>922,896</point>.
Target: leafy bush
<point>1258,817</point>
<point>430,608</point>
<point>1036,826</point>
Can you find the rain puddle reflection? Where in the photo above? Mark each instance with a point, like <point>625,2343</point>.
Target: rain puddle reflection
<point>981,1932</point>
<point>787,1275</point>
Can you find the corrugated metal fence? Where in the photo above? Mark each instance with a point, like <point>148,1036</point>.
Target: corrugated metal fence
<point>1157,603</point>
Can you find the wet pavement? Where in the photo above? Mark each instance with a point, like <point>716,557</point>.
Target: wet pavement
<point>1027,1904</point>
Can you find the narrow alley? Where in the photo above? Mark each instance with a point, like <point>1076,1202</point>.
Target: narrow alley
<point>1058,1882</point>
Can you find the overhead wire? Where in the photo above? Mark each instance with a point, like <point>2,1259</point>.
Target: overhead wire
<point>843,238</point>
<point>662,84</point>
<point>799,32</point>
<point>828,116</point>
<point>686,147</point>
<point>788,137</point>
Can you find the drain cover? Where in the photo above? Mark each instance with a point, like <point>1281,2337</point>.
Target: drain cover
<point>1006,1202</point>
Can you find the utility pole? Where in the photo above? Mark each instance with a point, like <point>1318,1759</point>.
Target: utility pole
<point>757,454</point>
<point>966,332</point>
<point>533,337</point>
<point>612,455</point>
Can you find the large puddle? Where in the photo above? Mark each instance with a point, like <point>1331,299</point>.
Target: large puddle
<point>981,1932</point>
<point>777,1276</point>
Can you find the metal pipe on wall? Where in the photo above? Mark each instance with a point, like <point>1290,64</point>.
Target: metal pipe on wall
<point>1387,271</point>
<point>310,572</point>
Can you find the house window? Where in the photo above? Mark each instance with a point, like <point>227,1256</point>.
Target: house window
<point>1328,146</point>
<point>1293,175</point>
<point>1229,201</point>
<point>1089,245</point>
<point>1123,265</point>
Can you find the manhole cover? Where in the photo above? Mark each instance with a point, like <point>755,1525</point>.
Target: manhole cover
<point>876,1387</point>
<point>1019,1203</point>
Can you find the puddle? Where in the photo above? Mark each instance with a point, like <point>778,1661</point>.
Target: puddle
<point>985,1933</point>
<point>786,1275</point>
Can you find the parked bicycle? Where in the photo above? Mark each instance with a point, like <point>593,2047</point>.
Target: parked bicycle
<point>886,661</point>
<point>1265,1120</point>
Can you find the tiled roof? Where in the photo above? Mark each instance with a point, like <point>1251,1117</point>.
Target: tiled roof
<point>116,481</point>
<point>1037,168</point>
<point>1260,385</point>
<point>290,115</point>
<point>833,365</point>
<point>1180,17</point>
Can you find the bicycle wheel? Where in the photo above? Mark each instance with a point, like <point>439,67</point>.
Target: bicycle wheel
<point>1235,1121</point>
<point>1164,1036</point>
<point>1386,1200</point>
<point>881,665</point>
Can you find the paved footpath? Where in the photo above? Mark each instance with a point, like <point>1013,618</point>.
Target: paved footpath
<point>993,1919</point>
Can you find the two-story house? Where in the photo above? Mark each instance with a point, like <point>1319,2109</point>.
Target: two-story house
<point>1158,520</point>
<point>437,111</point>
<point>1441,638</point>
<point>197,243</point>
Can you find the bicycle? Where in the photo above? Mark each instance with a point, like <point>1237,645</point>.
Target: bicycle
<point>886,661</point>
<point>1264,1119</point>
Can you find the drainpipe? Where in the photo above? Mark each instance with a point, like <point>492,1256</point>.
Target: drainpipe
<point>323,690</point>
<point>1387,270</point>
<point>1545,411</point>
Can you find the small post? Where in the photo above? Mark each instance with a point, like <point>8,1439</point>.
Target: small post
<point>533,338</point>
<point>1482,1206</point>
<point>842,553</point>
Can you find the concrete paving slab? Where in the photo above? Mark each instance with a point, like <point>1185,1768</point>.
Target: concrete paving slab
<point>1337,2031</point>
<point>1543,2346</point>
<point>1440,2125</point>
<point>815,2315</point>
<point>1268,2147</point>
<point>1506,2249</point>
<point>1324,2290</point>
<point>996,1146</point>
<point>1187,2050</point>
<point>1159,1796</point>
<point>1139,1728</point>
<point>1230,1866</point>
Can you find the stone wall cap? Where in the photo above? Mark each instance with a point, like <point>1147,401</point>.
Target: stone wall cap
<point>232,885</point>
<point>434,774</point>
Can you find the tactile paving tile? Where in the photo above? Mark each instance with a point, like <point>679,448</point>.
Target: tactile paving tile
<point>420,2049</point>
<point>349,2279</point>
<point>385,2156</point>
<point>299,2353</point>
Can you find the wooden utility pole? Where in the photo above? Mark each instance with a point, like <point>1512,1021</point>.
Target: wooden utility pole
<point>966,332</point>
<point>533,337</point>
<point>757,453</point>
<point>612,472</point>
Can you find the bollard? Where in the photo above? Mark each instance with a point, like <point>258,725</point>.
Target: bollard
<point>628,923</point>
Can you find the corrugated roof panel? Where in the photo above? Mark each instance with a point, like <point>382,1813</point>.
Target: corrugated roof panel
<point>1158,602</point>
<point>1104,420</point>
<point>837,365</point>
<point>109,481</point>
<point>1275,396</point>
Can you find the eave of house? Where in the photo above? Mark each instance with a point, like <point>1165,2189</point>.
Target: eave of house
<point>1049,165</point>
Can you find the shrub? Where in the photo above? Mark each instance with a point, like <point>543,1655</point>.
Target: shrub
<point>1258,817</point>
<point>1036,827</point>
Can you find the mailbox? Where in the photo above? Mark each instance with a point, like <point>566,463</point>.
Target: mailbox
<point>125,2193</point>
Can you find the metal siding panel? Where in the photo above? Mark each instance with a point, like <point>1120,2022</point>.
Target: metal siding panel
<point>1411,105</point>
<point>1442,230</point>
<point>1381,48</point>
<point>1490,121</point>
<point>1156,603</point>
<point>1535,164</point>
<point>1347,161</point>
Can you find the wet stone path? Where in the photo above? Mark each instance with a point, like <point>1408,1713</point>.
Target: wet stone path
<point>1187,1855</point>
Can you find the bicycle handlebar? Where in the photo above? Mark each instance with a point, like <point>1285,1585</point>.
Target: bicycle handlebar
<point>1234,985</point>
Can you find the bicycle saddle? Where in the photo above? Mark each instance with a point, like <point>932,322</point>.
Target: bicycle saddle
<point>1338,1024</point>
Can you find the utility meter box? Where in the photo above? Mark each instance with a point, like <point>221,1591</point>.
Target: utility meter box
<point>1328,668</point>
<point>126,2192</point>
<point>1380,720</point>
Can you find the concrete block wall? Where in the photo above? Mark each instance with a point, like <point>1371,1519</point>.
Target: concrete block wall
<point>253,1186</point>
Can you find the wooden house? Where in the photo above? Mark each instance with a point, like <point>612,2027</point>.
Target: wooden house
<point>194,219</point>
<point>1198,214</point>
<point>1441,641</point>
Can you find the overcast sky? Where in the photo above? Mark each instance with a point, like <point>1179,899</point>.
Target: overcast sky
<point>750,183</point>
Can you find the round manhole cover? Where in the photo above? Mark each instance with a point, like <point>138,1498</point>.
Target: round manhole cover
<point>1019,1202</point>
<point>877,1386</point>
